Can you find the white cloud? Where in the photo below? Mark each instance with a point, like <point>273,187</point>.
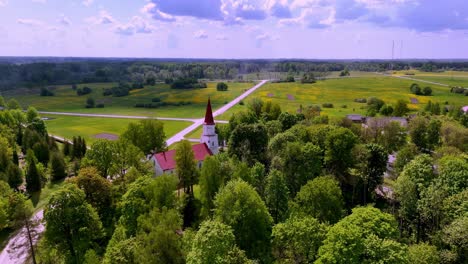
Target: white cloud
<point>152,10</point>
<point>266,36</point>
<point>103,18</point>
<point>40,1</point>
<point>64,20</point>
<point>30,22</point>
<point>200,34</point>
<point>87,2</point>
<point>136,25</point>
<point>3,3</point>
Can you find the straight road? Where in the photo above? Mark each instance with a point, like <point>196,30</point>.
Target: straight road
<point>118,116</point>
<point>181,135</point>
<point>414,79</point>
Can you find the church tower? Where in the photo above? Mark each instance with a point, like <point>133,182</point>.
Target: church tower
<point>209,135</point>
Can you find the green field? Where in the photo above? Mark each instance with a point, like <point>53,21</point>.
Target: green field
<point>66,100</point>
<point>453,78</point>
<point>342,92</point>
<point>89,127</point>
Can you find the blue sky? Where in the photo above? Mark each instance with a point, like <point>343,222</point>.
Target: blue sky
<point>334,29</point>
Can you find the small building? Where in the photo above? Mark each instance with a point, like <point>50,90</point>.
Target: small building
<point>383,121</point>
<point>164,162</point>
<point>209,136</point>
<point>355,118</point>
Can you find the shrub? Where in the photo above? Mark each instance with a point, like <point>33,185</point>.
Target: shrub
<point>46,92</point>
<point>83,91</point>
<point>241,102</point>
<point>415,89</point>
<point>156,100</point>
<point>100,105</point>
<point>107,92</point>
<point>90,103</point>
<point>427,91</point>
<point>221,86</point>
<point>137,86</point>
<point>344,106</point>
<point>187,83</point>
<point>360,100</point>
<point>327,105</point>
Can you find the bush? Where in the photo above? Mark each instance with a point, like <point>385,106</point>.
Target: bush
<point>100,105</point>
<point>415,89</point>
<point>360,100</point>
<point>107,92</point>
<point>90,103</point>
<point>187,83</point>
<point>327,105</point>
<point>459,90</point>
<point>241,102</point>
<point>137,86</point>
<point>46,92</point>
<point>290,79</point>
<point>83,91</point>
<point>156,100</point>
<point>344,106</point>
<point>221,86</point>
<point>427,91</point>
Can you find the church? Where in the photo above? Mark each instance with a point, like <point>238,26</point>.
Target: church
<point>164,162</point>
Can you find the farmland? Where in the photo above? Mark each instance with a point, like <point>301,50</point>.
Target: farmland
<point>66,99</point>
<point>342,92</point>
<point>89,127</point>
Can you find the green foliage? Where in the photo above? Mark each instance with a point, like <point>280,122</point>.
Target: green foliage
<point>211,180</point>
<point>365,236</point>
<point>320,198</point>
<point>186,166</point>
<point>13,105</point>
<point>455,236</point>
<point>453,173</point>
<point>240,207</point>
<point>57,165</point>
<point>71,223</point>
<point>287,120</point>
<point>423,254</point>
<point>90,103</point>
<point>33,178</point>
<point>31,114</point>
<point>276,195</point>
<point>401,108</point>
<point>148,135</point>
<point>338,145</point>
<point>221,86</point>
<point>249,143</point>
<point>415,89</point>
<point>297,240</point>
<point>100,156</point>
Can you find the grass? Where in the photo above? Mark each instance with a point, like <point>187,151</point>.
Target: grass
<point>88,127</point>
<point>343,91</point>
<point>453,78</point>
<point>283,75</point>
<point>66,100</point>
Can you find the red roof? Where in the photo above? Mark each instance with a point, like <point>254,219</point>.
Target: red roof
<point>209,120</point>
<point>167,159</point>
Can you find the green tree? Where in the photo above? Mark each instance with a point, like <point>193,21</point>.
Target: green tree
<point>57,165</point>
<point>67,149</point>
<point>186,166</point>
<point>33,178</point>
<point>427,91</point>
<point>433,134</point>
<point>453,174</point>
<point>255,105</point>
<point>13,105</point>
<point>221,86</point>
<point>338,150</point>
<point>276,195</point>
<point>15,176</point>
<point>365,236</point>
<point>423,254</point>
<point>97,190</point>
<point>320,198</point>
<point>212,243</point>
<point>31,114</point>
<point>249,143</point>
<point>211,179</point>
<point>401,108</point>
<point>2,101</point>
<point>124,157</point>
<point>42,152</point>
<point>100,156</point>
<point>297,240</point>
<point>148,135</point>
<point>239,206</point>
<point>418,132</point>
<point>455,236</point>
<point>287,120</point>
<point>71,223</point>
<point>392,137</point>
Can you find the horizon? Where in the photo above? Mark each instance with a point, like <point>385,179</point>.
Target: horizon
<point>236,29</point>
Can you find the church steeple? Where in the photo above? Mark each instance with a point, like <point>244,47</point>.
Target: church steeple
<point>209,136</point>
<point>209,120</point>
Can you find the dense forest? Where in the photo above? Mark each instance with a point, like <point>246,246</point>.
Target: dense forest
<point>286,188</point>
<point>37,72</point>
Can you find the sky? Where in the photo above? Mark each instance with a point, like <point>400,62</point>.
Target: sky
<point>303,29</point>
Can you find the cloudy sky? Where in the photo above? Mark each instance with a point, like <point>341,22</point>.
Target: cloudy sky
<point>235,28</point>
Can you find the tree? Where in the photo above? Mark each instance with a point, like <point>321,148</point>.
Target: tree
<point>386,110</point>
<point>33,179</point>
<point>249,143</point>
<point>371,163</point>
<point>453,174</point>
<point>67,148</point>
<point>433,133</point>
<point>158,239</point>
<point>31,114</point>
<point>320,198</point>
<point>57,165</point>
<point>211,179</point>
<point>423,254</point>
<point>393,137</point>
<point>365,236</point>
<point>101,156</point>
<point>298,240</point>
<point>186,166</point>
<point>2,101</point>
<point>255,105</point>
<point>71,223</point>
<point>417,132</point>
<point>13,105</point>
<point>455,236</point>
<point>125,156</point>
<point>427,91</point>
<point>15,176</point>
<point>287,120</point>
<point>97,190</point>
<point>276,195</point>
<point>415,89</point>
<point>148,135</point>
<point>212,243</point>
<point>239,206</point>
<point>401,108</point>
<point>41,152</point>
<point>90,103</point>
<point>221,86</point>
<point>338,145</point>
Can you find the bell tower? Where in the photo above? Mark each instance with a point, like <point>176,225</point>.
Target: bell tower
<point>209,136</point>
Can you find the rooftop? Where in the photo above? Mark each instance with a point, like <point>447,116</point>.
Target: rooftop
<point>167,159</point>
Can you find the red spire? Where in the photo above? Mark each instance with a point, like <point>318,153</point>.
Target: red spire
<point>209,120</point>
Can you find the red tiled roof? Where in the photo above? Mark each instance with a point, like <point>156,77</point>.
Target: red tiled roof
<point>209,120</point>
<point>167,159</point>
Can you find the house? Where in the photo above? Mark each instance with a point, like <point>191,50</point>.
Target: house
<point>355,118</point>
<point>383,121</point>
<point>164,162</point>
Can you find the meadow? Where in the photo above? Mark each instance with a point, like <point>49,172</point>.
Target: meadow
<point>342,92</point>
<point>66,100</point>
<point>89,127</point>
<point>453,78</point>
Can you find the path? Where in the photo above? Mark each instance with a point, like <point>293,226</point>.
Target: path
<point>413,79</point>
<point>17,250</point>
<point>118,116</point>
<point>181,135</point>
